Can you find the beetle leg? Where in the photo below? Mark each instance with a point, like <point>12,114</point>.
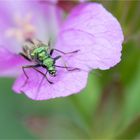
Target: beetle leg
<point>66,52</point>
<point>24,56</point>
<point>35,68</point>
<point>51,52</point>
<point>68,68</point>
<point>57,57</point>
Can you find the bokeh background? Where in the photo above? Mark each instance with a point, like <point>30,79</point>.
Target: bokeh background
<point>108,108</point>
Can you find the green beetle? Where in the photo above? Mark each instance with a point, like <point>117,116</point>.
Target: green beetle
<point>41,54</point>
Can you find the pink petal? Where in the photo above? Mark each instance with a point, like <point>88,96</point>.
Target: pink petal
<point>10,63</point>
<point>91,29</point>
<point>54,17</point>
<point>44,19</point>
<point>65,83</point>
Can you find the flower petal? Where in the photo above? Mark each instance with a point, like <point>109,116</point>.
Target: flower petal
<point>53,17</point>
<point>66,83</point>
<point>10,63</point>
<point>91,29</point>
<point>26,19</point>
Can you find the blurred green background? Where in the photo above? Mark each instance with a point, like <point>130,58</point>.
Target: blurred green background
<point>108,108</point>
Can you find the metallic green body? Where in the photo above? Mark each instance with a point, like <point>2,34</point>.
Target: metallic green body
<point>41,56</point>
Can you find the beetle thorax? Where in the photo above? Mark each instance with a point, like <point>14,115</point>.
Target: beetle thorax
<point>41,56</point>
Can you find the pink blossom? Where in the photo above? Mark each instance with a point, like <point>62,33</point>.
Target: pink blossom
<point>89,28</point>
<point>20,20</point>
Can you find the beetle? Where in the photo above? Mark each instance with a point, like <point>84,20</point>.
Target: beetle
<point>40,54</point>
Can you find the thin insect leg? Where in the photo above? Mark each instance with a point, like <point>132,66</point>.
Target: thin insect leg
<point>43,79</point>
<point>68,68</point>
<point>38,89</point>
<point>51,52</point>
<point>25,67</point>
<point>24,56</point>
<point>34,67</point>
<point>57,57</point>
<point>66,52</point>
<point>46,78</point>
<point>65,66</point>
<point>29,40</point>
<point>27,77</point>
<point>43,75</point>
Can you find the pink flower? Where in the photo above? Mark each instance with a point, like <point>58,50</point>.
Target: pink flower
<point>89,28</point>
<point>20,20</point>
